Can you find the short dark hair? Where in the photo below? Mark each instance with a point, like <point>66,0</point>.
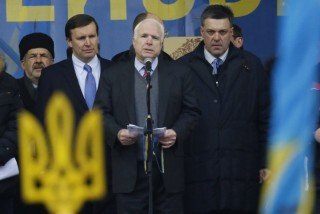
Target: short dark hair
<point>237,31</point>
<point>140,17</point>
<point>79,20</point>
<point>217,11</point>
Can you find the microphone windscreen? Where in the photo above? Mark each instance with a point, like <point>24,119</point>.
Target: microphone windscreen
<point>148,62</point>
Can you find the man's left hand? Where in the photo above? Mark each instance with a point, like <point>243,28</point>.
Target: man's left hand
<point>168,139</point>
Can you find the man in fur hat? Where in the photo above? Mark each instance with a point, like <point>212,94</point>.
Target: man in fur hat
<point>36,53</point>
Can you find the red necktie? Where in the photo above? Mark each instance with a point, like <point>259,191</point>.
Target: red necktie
<point>145,74</point>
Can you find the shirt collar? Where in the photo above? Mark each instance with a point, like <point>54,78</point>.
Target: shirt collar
<point>211,58</point>
<point>93,62</point>
<point>139,65</point>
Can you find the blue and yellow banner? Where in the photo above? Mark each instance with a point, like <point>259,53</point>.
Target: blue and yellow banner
<point>294,111</point>
<point>115,17</point>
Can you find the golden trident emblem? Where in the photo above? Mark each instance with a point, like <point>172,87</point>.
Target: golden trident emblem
<point>54,170</point>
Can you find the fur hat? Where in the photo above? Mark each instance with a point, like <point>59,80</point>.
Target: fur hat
<point>35,40</point>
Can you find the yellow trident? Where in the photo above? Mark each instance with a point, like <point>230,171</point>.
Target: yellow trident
<point>51,172</point>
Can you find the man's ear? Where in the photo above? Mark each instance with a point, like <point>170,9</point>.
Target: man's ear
<point>69,43</point>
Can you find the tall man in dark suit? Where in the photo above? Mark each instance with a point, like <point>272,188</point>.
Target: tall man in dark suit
<point>173,105</point>
<point>36,52</point>
<point>10,104</point>
<point>77,77</point>
<point>225,162</point>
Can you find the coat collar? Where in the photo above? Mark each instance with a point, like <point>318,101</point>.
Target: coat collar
<point>203,68</point>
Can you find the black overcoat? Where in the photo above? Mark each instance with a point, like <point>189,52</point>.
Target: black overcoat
<point>10,104</point>
<point>228,145</point>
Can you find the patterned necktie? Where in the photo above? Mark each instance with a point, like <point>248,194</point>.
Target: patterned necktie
<point>145,74</point>
<point>216,65</point>
<point>90,86</point>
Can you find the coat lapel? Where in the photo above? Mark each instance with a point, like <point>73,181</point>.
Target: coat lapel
<point>70,75</point>
<point>165,81</point>
<point>126,79</point>
<point>202,68</point>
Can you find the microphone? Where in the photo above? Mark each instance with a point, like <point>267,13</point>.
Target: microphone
<point>148,62</point>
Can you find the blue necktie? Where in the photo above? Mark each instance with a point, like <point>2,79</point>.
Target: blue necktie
<point>216,65</point>
<point>90,86</point>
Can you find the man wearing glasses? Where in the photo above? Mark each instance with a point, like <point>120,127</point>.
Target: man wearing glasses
<point>36,53</point>
<point>224,164</point>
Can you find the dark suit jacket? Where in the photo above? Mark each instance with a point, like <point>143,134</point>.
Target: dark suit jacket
<point>28,98</point>
<point>62,77</point>
<point>177,110</point>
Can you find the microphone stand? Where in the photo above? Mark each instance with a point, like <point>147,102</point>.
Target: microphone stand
<point>149,145</point>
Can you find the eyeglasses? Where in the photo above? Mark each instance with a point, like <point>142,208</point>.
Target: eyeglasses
<point>33,57</point>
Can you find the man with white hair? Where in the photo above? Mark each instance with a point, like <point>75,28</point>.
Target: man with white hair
<point>129,54</point>
<point>173,105</point>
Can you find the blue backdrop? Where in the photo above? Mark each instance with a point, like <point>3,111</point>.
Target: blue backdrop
<point>257,18</point>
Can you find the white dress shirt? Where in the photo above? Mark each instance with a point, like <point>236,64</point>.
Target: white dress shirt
<point>82,74</point>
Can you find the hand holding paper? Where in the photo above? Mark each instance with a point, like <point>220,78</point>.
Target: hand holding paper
<point>157,132</point>
<point>126,137</point>
<point>168,139</point>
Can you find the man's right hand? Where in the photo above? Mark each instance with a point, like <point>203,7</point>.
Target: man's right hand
<point>126,138</point>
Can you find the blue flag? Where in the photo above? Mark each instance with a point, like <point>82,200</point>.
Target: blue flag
<point>293,114</point>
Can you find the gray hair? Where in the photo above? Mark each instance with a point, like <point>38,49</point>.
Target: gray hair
<point>161,26</point>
